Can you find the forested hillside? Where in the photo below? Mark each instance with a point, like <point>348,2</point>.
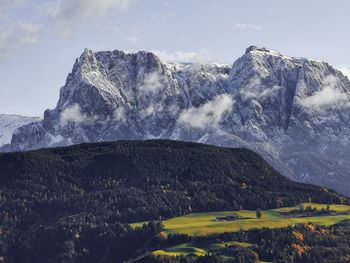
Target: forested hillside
<point>51,197</point>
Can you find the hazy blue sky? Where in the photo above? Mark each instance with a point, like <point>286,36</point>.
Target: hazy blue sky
<point>40,39</point>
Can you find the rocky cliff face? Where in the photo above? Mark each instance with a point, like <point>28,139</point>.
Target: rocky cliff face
<point>9,123</point>
<point>295,112</point>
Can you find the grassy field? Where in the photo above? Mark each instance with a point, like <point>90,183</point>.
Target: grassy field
<point>197,249</point>
<point>203,223</point>
<point>181,250</point>
<point>337,208</point>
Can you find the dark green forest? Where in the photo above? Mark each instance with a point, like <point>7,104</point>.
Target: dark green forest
<point>69,204</point>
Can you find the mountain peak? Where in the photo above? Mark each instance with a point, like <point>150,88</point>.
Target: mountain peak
<point>88,57</point>
<point>256,48</point>
<point>87,51</point>
<point>261,49</point>
<point>273,104</point>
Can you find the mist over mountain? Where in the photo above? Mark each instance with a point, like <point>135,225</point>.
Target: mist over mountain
<point>292,111</point>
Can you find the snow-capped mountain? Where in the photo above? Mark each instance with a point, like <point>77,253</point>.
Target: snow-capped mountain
<point>8,123</point>
<point>295,112</point>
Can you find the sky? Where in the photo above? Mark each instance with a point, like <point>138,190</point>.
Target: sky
<point>40,39</point>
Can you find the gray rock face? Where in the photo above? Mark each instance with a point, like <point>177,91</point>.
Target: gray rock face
<point>9,123</point>
<point>294,112</point>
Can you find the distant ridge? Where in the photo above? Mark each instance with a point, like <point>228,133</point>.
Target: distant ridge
<point>10,122</point>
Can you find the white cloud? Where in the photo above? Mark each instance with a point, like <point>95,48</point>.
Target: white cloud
<point>327,97</point>
<point>5,46</point>
<point>152,82</point>
<point>173,109</point>
<point>256,94</point>
<point>209,114</point>
<point>203,56</point>
<point>268,92</point>
<point>151,110</point>
<point>155,108</point>
<point>178,56</point>
<point>119,114</point>
<point>16,35</point>
<point>30,33</point>
<point>250,91</point>
<point>73,114</point>
<point>255,90</point>
<point>345,70</point>
<point>68,14</point>
<point>246,27</point>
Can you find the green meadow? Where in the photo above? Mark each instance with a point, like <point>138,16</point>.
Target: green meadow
<point>199,224</point>
<point>204,223</point>
<point>197,249</point>
<point>180,250</point>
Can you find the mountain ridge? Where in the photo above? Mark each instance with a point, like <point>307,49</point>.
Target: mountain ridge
<point>276,105</point>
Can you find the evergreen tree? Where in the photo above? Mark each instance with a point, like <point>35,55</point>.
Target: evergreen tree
<point>258,213</point>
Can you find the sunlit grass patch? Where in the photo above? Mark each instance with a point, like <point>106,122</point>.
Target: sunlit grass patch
<point>180,250</point>
<point>199,224</point>
<point>337,208</point>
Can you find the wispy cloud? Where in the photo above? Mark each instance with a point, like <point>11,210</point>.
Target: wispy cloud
<point>16,35</point>
<point>202,56</point>
<point>5,46</point>
<point>120,115</point>
<point>152,82</point>
<point>246,27</point>
<point>329,96</point>
<point>151,110</point>
<point>256,90</point>
<point>209,114</point>
<point>73,114</point>
<point>30,33</point>
<point>68,14</point>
